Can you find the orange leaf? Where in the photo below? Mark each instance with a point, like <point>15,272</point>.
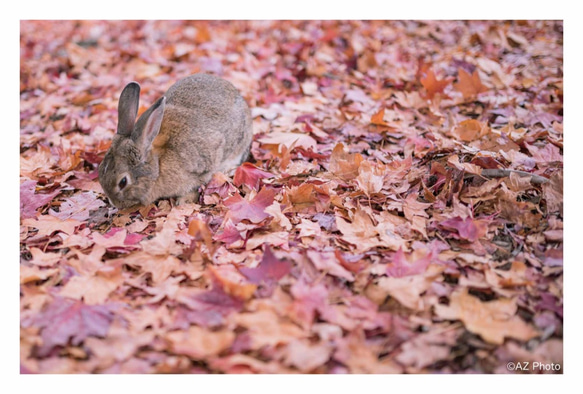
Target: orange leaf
<point>377,118</point>
<point>433,85</point>
<point>469,85</point>
<point>470,130</point>
<point>344,165</point>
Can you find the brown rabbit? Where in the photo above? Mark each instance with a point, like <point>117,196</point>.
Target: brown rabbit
<point>201,126</point>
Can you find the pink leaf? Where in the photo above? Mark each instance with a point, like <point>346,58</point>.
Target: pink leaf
<point>66,319</point>
<point>253,210</point>
<point>30,201</point>
<point>248,174</point>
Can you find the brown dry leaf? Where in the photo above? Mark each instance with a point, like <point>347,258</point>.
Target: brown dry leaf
<point>408,290</point>
<point>433,85</point>
<point>361,232</point>
<point>353,352</point>
<point>50,224</point>
<point>470,130</point>
<point>370,177</point>
<point>469,85</point>
<point>344,165</point>
<point>93,290</point>
<point>199,343</point>
<point>306,356</point>
<point>32,274</point>
<point>266,328</point>
<point>329,263</point>
<point>492,320</point>
<point>377,118</point>
<point>553,193</point>
<point>289,140</point>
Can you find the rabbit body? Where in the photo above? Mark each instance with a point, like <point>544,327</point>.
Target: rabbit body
<point>201,126</point>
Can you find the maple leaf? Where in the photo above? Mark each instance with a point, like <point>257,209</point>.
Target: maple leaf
<point>353,352</point>
<point>307,197</point>
<point>230,234</point>
<point>548,153</point>
<point>42,259</point>
<point>48,225</point>
<point>370,178</point>
<point>232,282</point>
<point>66,319</point>
<point>266,328</point>
<point>308,300</point>
<point>30,201</point>
<point>220,185</point>
<point>469,85</point>
<point>433,85</point>
<point>553,193</point>
<point>252,210</point>
<point>407,290</point>
<point>470,130</point>
<point>344,165</point>
<point>411,264</point>
<point>377,118</point>
<point>307,356</point>
<point>289,140</point>
<point>269,271</point>
<point>364,235</point>
<point>93,289</point>
<point>250,175</point>
<point>32,274</point>
<point>199,343</point>
<point>210,307</point>
<point>78,207</point>
<point>492,320</point>
<point>329,263</point>
<point>468,228</point>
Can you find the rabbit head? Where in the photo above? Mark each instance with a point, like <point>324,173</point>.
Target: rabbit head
<point>129,167</point>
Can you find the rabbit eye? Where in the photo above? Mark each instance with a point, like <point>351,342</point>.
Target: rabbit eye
<point>122,183</point>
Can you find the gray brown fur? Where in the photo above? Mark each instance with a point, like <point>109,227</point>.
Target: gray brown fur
<point>201,126</point>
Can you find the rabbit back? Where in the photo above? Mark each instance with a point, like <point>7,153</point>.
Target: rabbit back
<point>206,128</point>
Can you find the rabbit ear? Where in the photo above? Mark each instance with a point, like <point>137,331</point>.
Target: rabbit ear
<point>127,108</point>
<point>148,125</point>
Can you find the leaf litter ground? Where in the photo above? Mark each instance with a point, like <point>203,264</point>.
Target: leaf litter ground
<point>402,211</point>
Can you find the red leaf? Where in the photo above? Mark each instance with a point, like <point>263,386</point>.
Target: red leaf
<point>208,308</point>
<point>248,174</point>
<point>468,228</point>
<point>229,235</point>
<point>67,319</point>
<point>270,269</point>
<point>254,210</point>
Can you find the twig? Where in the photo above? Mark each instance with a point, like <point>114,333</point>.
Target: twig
<point>500,173</point>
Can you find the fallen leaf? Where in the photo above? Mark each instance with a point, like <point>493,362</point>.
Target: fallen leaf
<point>433,85</point>
<point>30,201</point>
<point>470,130</point>
<point>329,263</point>
<point>199,343</point>
<point>66,319</point>
<point>469,85</point>
<point>250,175</point>
<point>253,209</point>
<point>344,165</point>
<point>492,320</point>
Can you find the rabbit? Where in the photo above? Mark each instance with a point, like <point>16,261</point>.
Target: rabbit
<point>202,125</point>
